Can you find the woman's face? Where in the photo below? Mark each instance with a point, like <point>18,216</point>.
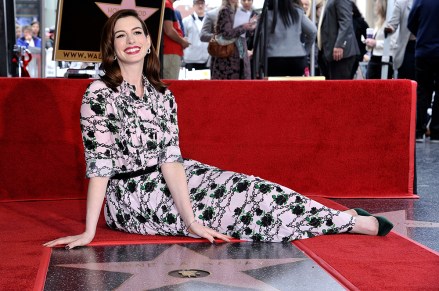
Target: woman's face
<point>305,4</point>
<point>35,28</point>
<point>130,41</point>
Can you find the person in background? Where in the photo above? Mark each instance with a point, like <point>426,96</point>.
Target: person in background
<point>238,65</point>
<point>28,40</point>
<point>18,31</point>
<point>50,37</point>
<point>360,27</point>
<point>319,7</point>
<point>51,65</point>
<point>208,29</point>
<point>423,22</point>
<point>135,165</point>
<point>305,5</point>
<point>173,43</point>
<point>286,24</point>
<point>336,40</point>
<point>247,6</point>
<point>404,60</point>
<point>376,44</point>
<point>196,55</point>
<point>180,20</point>
<point>36,28</point>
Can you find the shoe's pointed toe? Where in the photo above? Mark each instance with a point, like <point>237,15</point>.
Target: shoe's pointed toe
<point>384,225</point>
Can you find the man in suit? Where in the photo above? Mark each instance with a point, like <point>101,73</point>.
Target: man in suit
<point>423,22</point>
<point>404,60</point>
<point>336,40</point>
<point>209,25</point>
<point>208,29</point>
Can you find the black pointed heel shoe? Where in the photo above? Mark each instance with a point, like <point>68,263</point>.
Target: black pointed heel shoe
<point>362,212</point>
<point>384,226</point>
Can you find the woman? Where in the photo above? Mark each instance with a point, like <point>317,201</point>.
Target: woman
<point>130,134</point>
<point>404,61</point>
<point>247,6</point>
<point>376,44</point>
<point>287,25</point>
<point>238,65</point>
<point>360,27</point>
<point>319,64</point>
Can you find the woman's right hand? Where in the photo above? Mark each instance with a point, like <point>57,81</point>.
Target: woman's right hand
<point>71,242</point>
<point>251,24</point>
<point>207,233</point>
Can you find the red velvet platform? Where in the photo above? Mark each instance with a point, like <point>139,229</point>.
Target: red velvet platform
<point>325,138</point>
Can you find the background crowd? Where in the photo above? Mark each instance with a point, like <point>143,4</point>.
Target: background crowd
<point>402,43</point>
<point>338,38</point>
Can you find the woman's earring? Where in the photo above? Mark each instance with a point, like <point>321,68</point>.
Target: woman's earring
<point>115,57</point>
<point>148,51</point>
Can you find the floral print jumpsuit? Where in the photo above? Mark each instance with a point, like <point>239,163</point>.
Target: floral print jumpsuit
<point>124,133</point>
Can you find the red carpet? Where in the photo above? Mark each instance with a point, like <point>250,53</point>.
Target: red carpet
<point>374,263</point>
<point>358,262</point>
<point>333,138</point>
<point>350,139</point>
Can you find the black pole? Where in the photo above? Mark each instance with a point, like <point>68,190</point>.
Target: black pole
<point>260,45</point>
<point>7,38</point>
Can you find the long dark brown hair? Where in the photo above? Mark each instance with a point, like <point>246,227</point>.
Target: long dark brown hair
<point>113,76</point>
<point>287,11</point>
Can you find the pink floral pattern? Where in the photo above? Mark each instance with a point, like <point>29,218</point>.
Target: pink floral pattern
<point>124,133</point>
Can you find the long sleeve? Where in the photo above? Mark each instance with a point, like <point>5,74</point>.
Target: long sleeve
<point>310,31</point>
<point>207,29</point>
<point>344,18</point>
<point>98,121</point>
<point>413,21</point>
<point>169,124</point>
<point>225,24</point>
<point>395,20</point>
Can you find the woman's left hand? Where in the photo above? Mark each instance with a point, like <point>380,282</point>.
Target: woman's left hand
<point>207,233</point>
<point>370,42</point>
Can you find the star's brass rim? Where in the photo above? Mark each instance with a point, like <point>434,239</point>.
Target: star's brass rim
<point>189,273</point>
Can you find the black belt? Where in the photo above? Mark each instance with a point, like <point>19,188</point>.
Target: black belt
<point>133,174</point>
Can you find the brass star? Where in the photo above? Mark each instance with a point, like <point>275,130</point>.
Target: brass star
<point>189,273</point>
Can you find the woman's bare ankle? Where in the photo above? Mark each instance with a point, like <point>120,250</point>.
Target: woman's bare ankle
<point>351,212</point>
<point>365,225</point>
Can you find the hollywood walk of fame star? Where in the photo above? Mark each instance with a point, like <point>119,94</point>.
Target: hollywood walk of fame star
<point>143,12</point>
<point>154,273</point>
